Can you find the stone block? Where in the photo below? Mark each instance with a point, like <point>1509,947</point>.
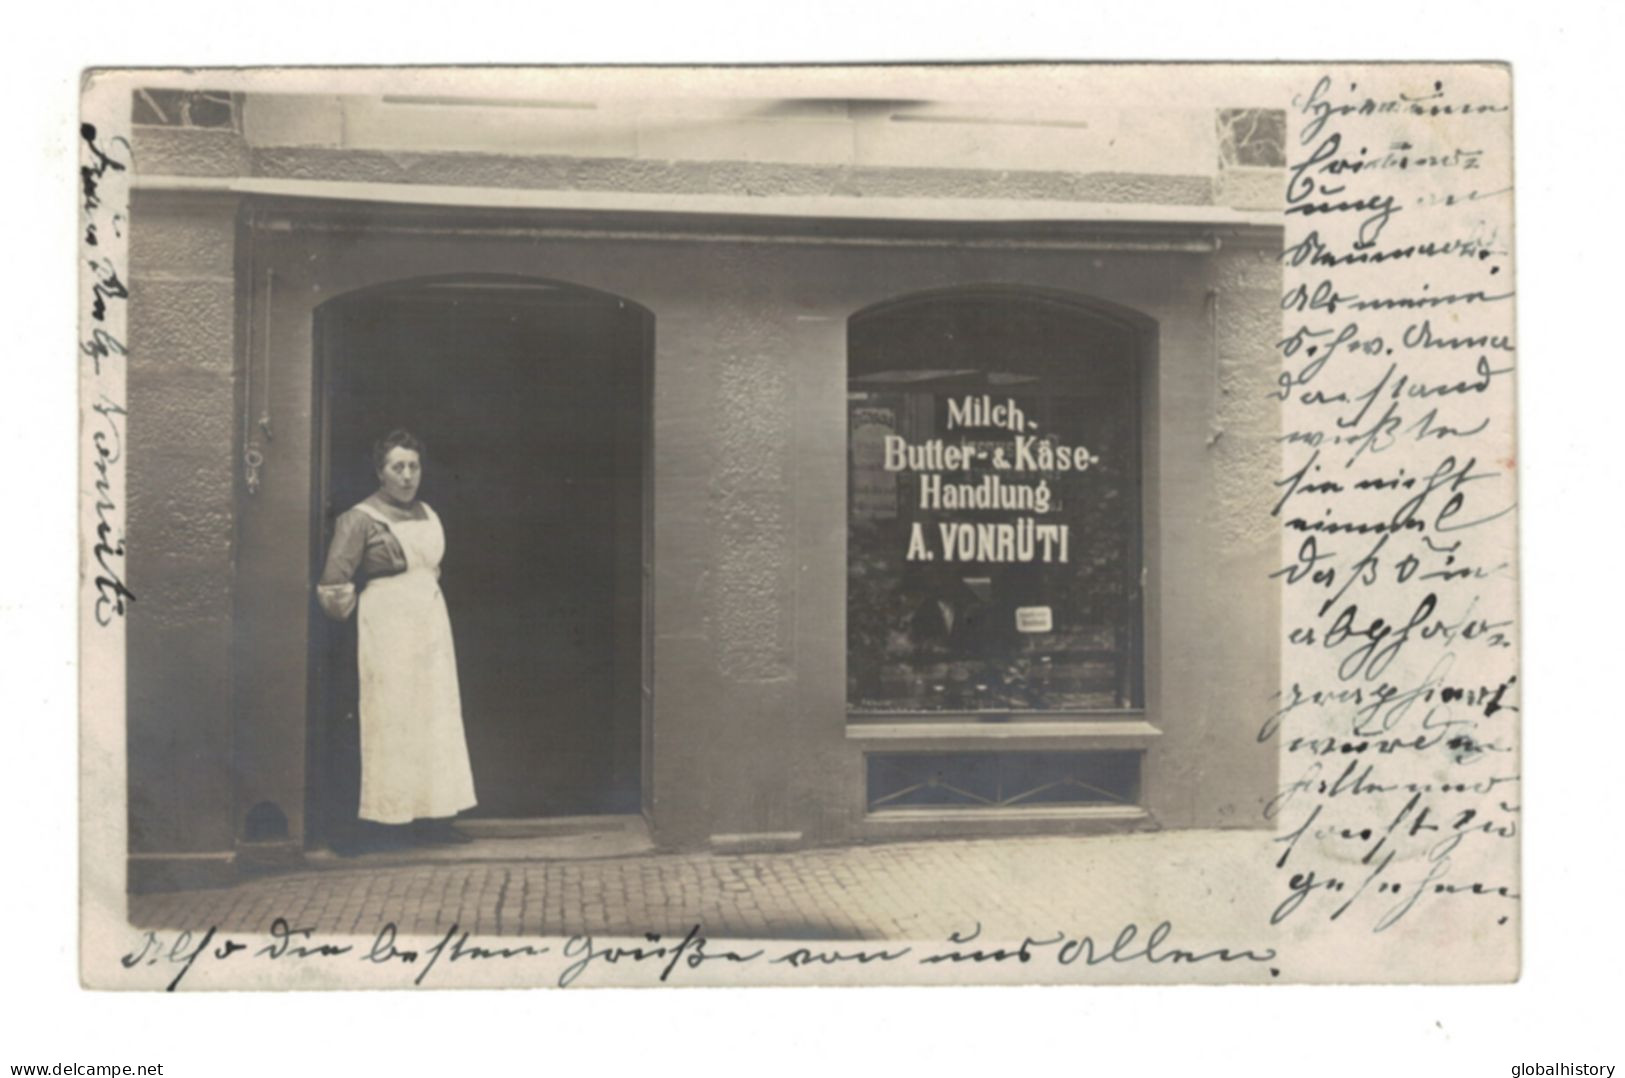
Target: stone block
<point>1252,188</point>
<point>800,141</point>
<point>182,324</point>
<point>293,120</point>
<point>190,411</point>
<point>577,129</point>
<point>182,241</point>
<point>189,151</point>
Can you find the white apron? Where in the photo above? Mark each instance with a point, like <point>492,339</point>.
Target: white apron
<point>414,756</point>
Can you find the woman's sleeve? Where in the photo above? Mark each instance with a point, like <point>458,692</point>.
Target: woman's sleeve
<point>336,591</point>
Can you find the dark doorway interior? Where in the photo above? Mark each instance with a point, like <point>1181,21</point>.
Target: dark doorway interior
<point>531,399</point>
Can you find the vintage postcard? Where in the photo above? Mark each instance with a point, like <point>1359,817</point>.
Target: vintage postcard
<point>1017,524</point>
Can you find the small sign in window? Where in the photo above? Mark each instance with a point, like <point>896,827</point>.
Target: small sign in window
<point>1034,619</point>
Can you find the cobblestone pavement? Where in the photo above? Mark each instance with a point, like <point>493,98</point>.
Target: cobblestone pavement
<point>913,890</point>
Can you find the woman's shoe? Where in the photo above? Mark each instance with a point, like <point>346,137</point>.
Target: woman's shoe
<point>367,837</point>
<point>439,833</point>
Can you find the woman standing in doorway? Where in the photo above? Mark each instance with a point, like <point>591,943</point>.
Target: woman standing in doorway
<point>414,755</point>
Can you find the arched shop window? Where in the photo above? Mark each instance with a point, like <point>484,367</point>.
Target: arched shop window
<point>993,550</point>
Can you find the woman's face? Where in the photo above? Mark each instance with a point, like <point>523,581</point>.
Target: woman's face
<point>401,473</point>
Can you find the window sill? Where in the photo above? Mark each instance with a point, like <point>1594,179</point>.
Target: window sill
<point>857,718</point>
<point>1036,819</point>
<point>1094,733</point>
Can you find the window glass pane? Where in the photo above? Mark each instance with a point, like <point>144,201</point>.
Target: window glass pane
<point>993,508</point>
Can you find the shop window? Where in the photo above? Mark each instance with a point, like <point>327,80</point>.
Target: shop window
<point>993,546</point>
<point>1001,779</point>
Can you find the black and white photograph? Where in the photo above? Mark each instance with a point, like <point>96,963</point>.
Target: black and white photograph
<point>980,524</point>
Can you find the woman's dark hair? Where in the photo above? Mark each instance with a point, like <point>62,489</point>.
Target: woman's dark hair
<point>399,438</point>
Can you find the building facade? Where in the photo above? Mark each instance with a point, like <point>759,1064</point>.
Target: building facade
<point>687,373</point>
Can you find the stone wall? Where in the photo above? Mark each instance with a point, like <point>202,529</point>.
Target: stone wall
<point>182,443</point>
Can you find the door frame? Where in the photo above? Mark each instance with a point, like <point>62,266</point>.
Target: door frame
<point>317,822</point>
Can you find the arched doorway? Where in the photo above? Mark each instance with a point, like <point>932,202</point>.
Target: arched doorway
<point>531,398</point>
